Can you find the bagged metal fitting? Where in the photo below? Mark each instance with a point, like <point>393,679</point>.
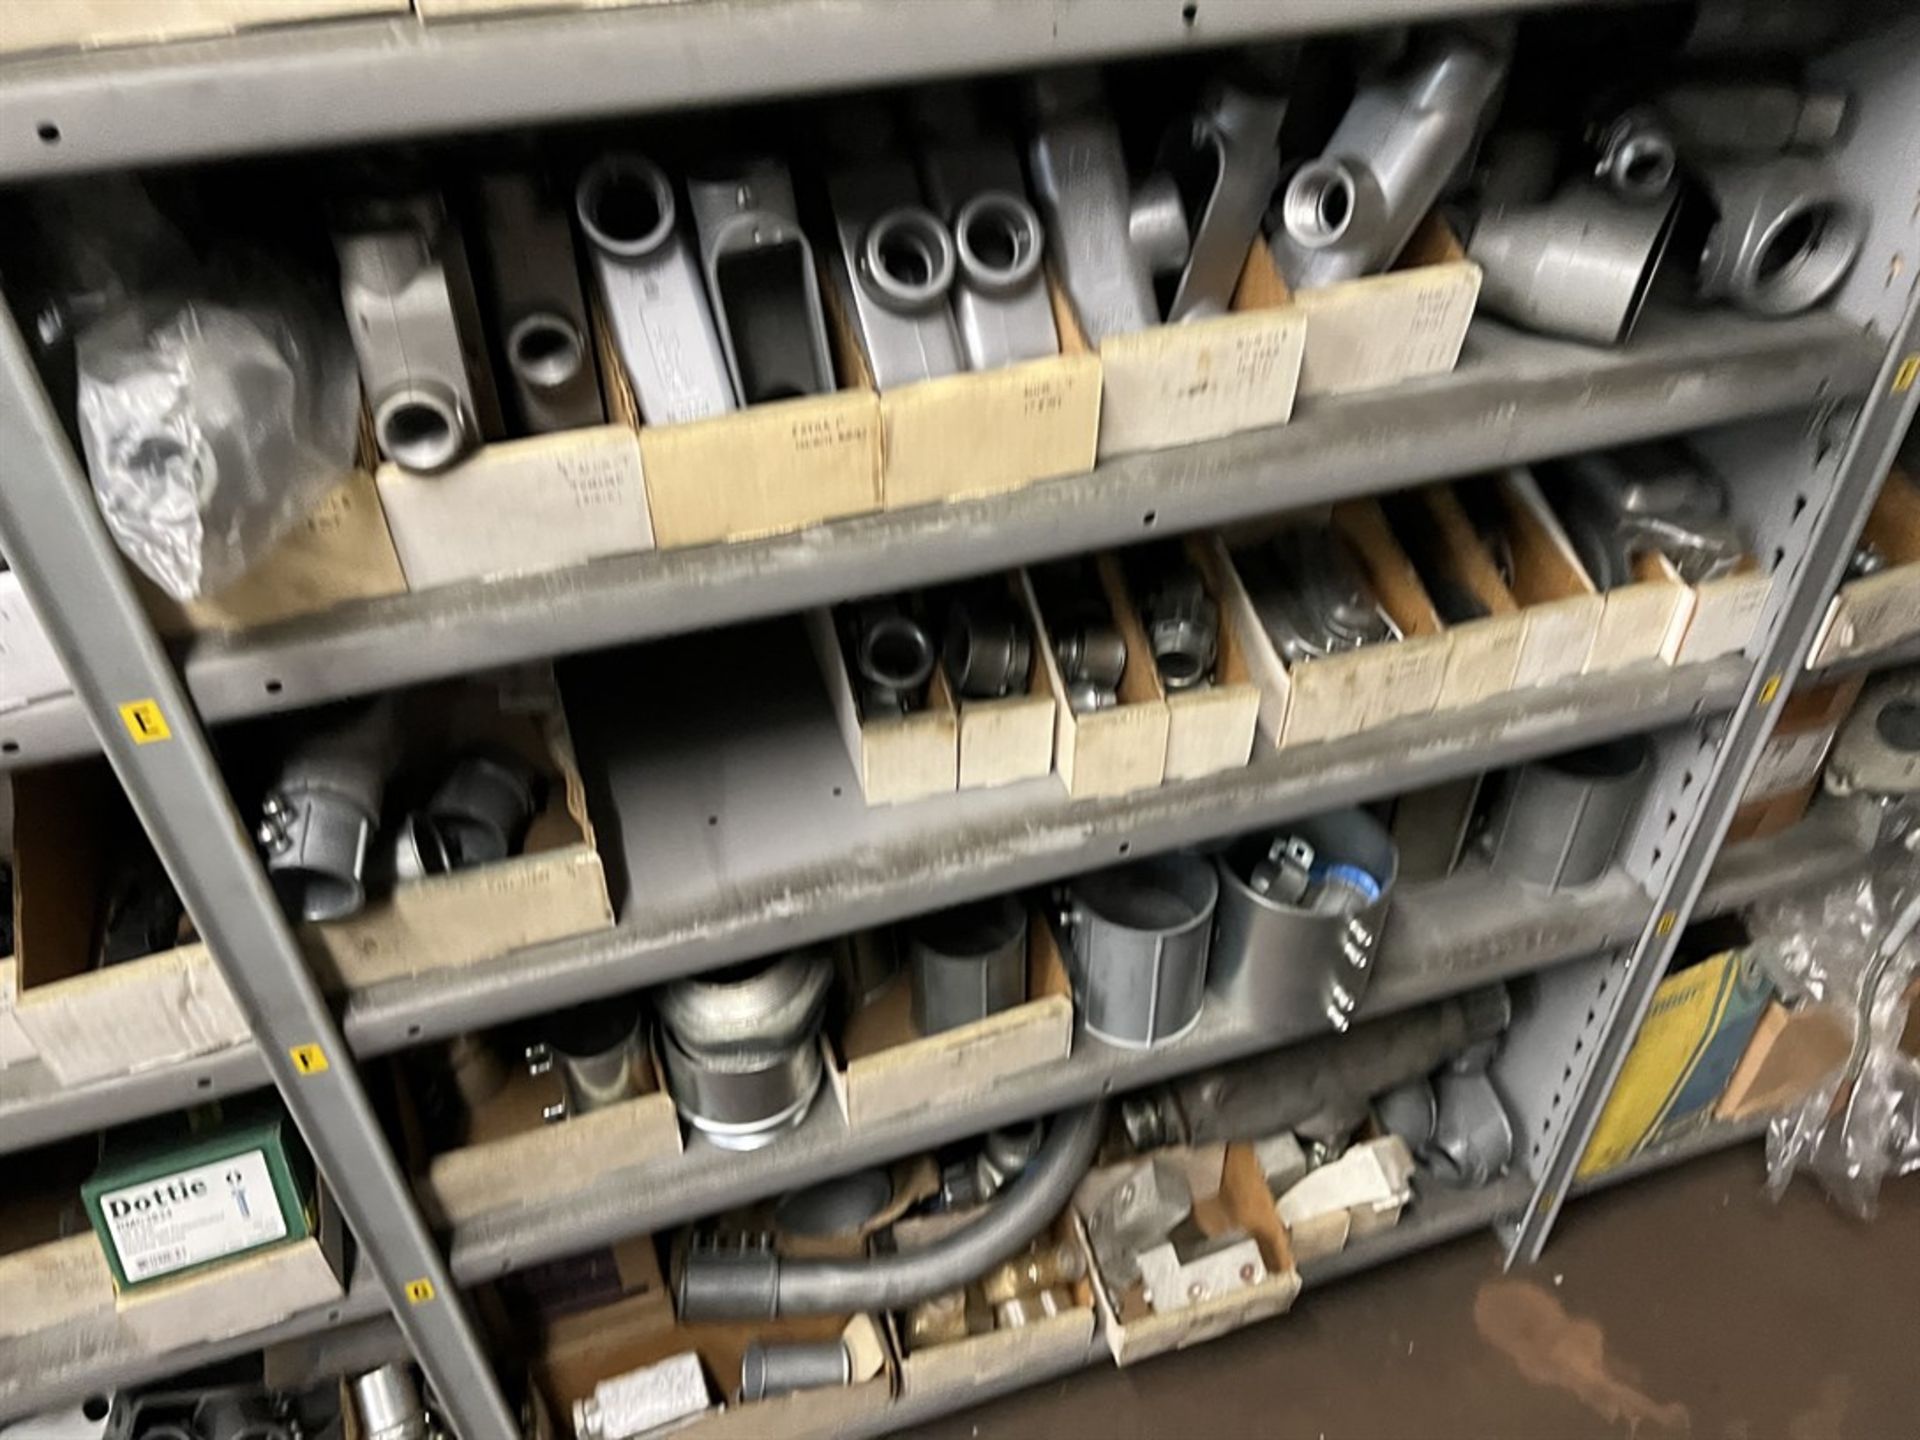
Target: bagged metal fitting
<point>389,1405</point>
<point>987,651</point>
<point>643,1401</point>
<point>1581,265</point>
<point>1183,630</point>
<point>1000,302</point>
<point>1616,504</point>
<point>1562,818</point>
<point>896,267</point>
<point>781,1369</point>
<point>762,282</point>
<point>1080,180</point>
<point>967,963</point>
<point>1350,212</point>
<point>1312,595</point>
<point>1221,166</point>
<point>415,324</point>
<point>892,658</point>
<point>1137,946</point>
<point>540,318</point>
<point>1784,237</point>
<point>653,291</point>
<point>600,1051</point>
<point>320,814</point>
<point>1301,915</point>
<point>741,1047</point>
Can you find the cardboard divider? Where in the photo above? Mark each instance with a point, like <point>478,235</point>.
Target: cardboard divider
<point>1114,751</point>
<point>512,1154</point>
<point>1484,656</point>
<point>1010,739</point>
<point>1230,1194</point>
<point>71,824</point>
<point>908,757</point>
<point>1211,727</point>
<point>883,1067</point>
<point>1562,607</point>
<point>100,24</point>
<point>1723,614</point>
<point>1880,610</point>
<point>554,888</point>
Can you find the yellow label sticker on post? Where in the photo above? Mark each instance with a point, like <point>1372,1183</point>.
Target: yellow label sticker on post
<point>419,1292</point>
<point>308,1059</point>
<point>1908,372</point>
<point>144,721</point>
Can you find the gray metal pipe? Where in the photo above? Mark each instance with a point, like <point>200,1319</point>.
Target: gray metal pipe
<point>746,1285</point>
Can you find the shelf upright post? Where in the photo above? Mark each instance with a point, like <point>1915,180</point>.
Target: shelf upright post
<point>150,732</point>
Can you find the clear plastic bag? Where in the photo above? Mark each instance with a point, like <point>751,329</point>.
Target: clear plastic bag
<point>1851,949</point>
<point>213,425</point>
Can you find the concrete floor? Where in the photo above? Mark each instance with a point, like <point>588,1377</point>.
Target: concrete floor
<point>1685,1303</point>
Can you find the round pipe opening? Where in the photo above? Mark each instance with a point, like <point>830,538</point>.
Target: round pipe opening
<point>420,431</point>
<point>896,653</point>
<point>546,351</point>
<point>1898,723</point>
<point>625,205</point>
<point>1164,896</point>
<point>998,237</point>
<point>316,894</point>
<point>1318,205</point>
<point>908,258</point>
<point>1644,167</point>
<point>977,929</point>
<point>1804,254</point>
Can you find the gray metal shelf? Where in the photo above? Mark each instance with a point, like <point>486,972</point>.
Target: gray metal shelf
<point>1707,1140</point>
<point>1514,397</point>
<point>1822,848</point>
<point>1440,940</point>
<point>35,1108</point>
<point>732,809</point>
<point>320,85</point>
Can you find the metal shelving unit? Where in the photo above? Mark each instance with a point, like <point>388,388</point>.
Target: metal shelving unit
<point>1805,414</point>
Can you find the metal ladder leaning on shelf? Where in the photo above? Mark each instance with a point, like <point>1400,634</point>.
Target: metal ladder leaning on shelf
<point>152,735</point>
<point>1805,488</point>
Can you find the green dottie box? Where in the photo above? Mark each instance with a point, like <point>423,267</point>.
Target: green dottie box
<point>193,1191</point>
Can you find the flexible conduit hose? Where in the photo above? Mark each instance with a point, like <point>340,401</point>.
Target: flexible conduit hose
<point>759,1285</point>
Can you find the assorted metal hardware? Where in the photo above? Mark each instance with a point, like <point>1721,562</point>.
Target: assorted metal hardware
<point>1784,234</point>
<point>1195,1268</point>
<point>600,1049</point>
<point>1301,915</point>
<point>1876,755</point>
<point>652,291</point>
<point>1351,211</point>
<point>1634,156</point>
<point>1080,180</point>
<point>781,1369</point>
<point>1580,265</point>
<point>1656,496</point>
<point>415,323</point>
<point>481,811</point>
<point>967,963</point>
<point>1045,1266</point>
<point>1312,594</point>
<point>987,649</point>
<point>892,658</point>
<point>1218,169</point>
<point>319,817</point>
<point>1142,1207</point>
<point>1562,818</point>
<point>644,1400</point>
<point>896,267</point>
<point>741,1047</point>
<point>1087,642</point>
<point>1183,629</point>
<point>1002,1155</point>
<point>1019,1310</point>
<point>1453,1122</point>
<point>1137,941</point>
<point>762,282</point>
<point>388,1403</point>
<point>540,318</point>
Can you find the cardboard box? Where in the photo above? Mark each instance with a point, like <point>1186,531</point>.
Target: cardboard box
<point>1791,1051</point>
<point>886,1068</point>
<point>579,1350</point>
<point>981,432</point>
<point>1106,752</point>
<point>556,886</point>
<point>1010,739</point>
<point>433,10</point>
<point>897,758</point>
<point>1176,384</point>
<point>29,668</point>
<point>1787,776</point>
<point>521,506</point>
<point>97,24</point>
<point>1236,1198</point>
<point>982,1359</point>
<point>514,1156</point>
<point>341,551</point>
<point>763,470</point>
<point>1383,329</point>
<point>71,826</point>
<point>1343,694</point>
<point>1694,1036</point>
<point>1210,727</point>
<point>1878,611</point>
